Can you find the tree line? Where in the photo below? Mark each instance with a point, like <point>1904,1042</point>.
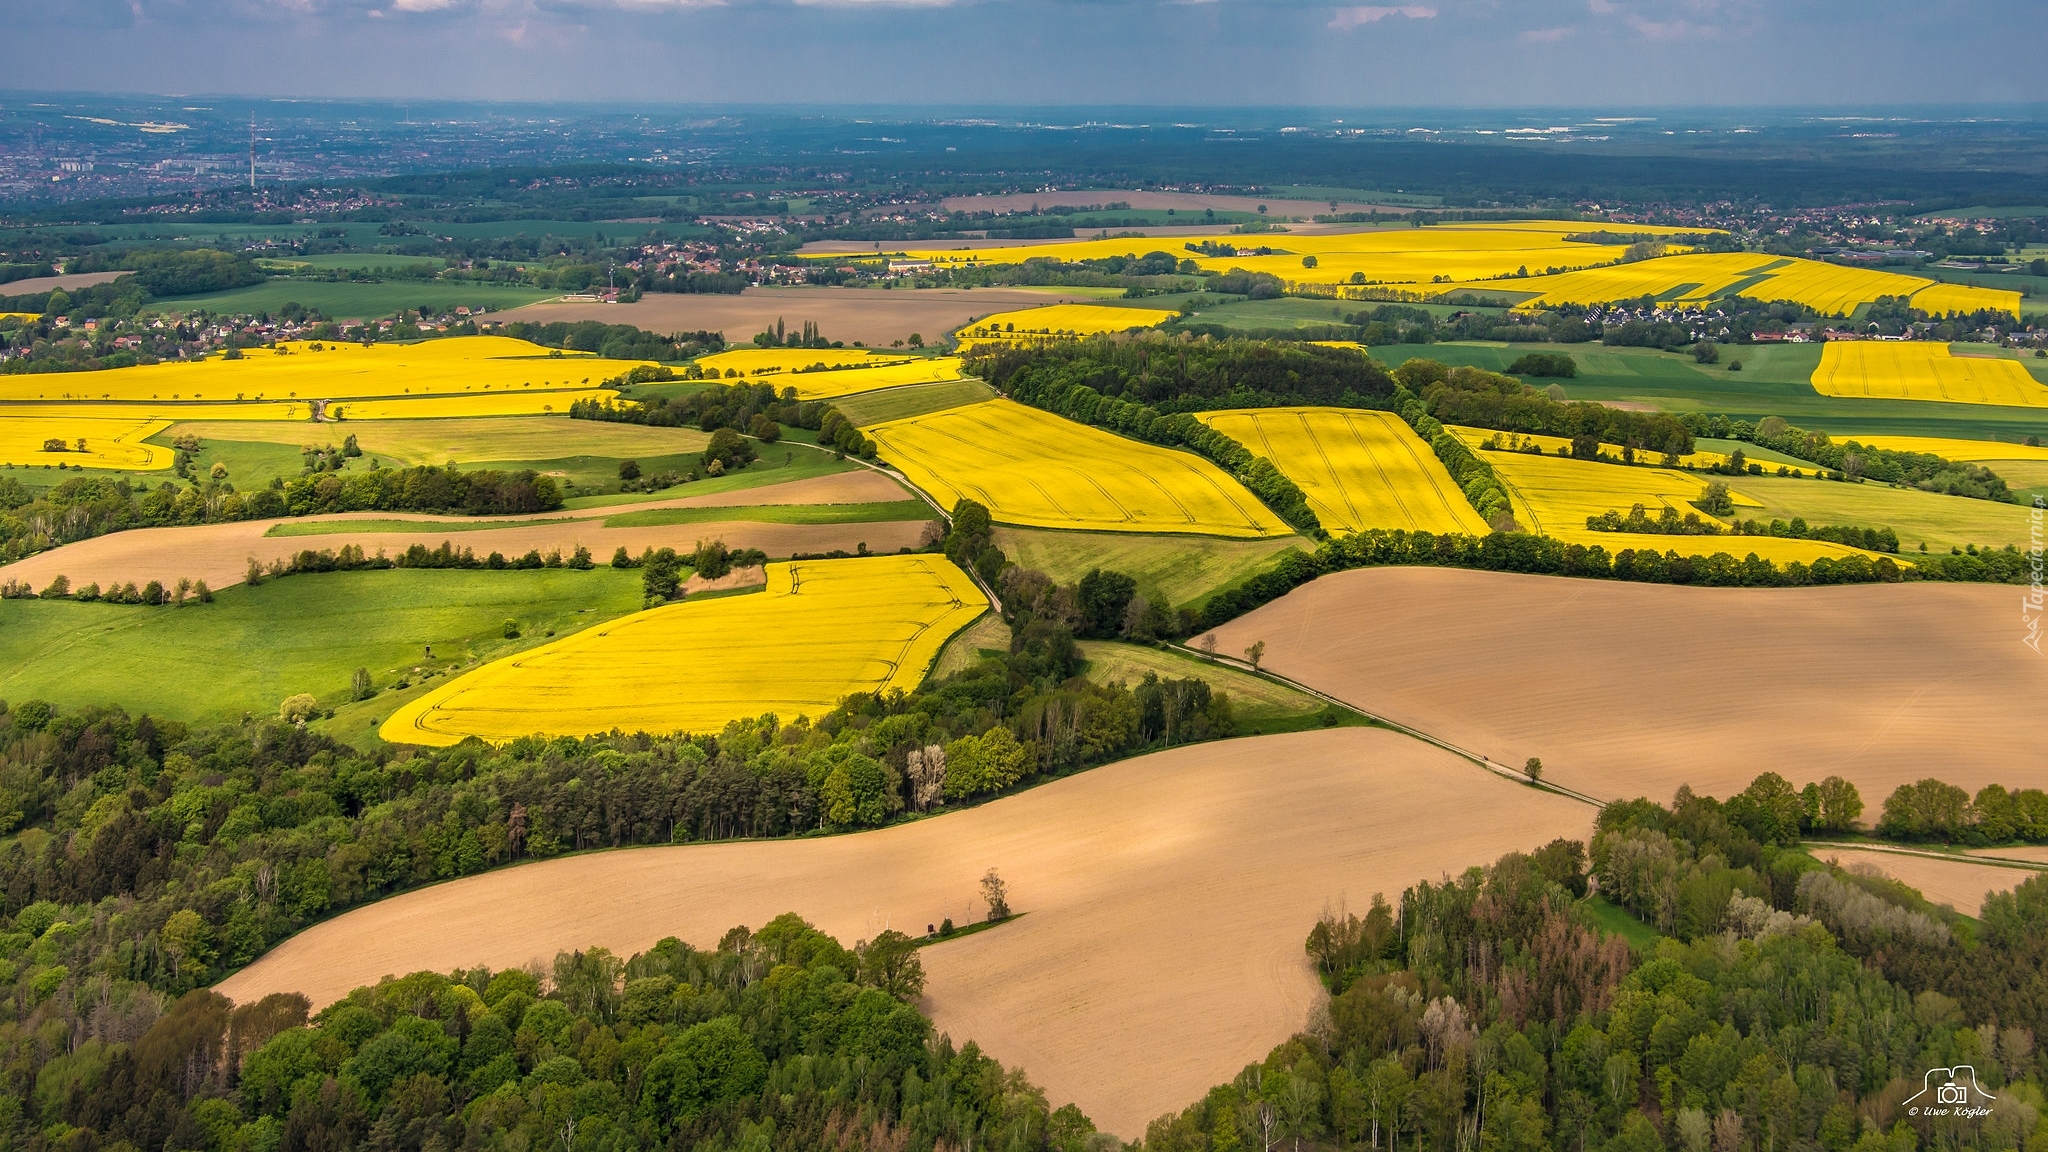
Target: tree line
<point>1761,1006</point>
<point>1852,460</point>
<point>778,1038</point>
<point>33,520</point>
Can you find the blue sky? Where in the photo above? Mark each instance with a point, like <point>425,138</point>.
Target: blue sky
<point>1492,53</point>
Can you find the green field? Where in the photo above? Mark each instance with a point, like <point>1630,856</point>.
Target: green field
<point>342,300</point>
<point>1940,522</point>
<point>987,636</point>
<point>1254,697</point>
<point>779,514</point>
<point>777,465</point>
<point>1775,381</point>
<point>217,661</point>
<point>909,400</point>
<point>1172,570</point>
<point>363,261</point>
<point>1614,920</point>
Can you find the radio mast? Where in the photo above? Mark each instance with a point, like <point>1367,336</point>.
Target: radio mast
<point>252,151</point>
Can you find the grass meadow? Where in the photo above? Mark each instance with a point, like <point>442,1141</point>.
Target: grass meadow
<point>217,661</point>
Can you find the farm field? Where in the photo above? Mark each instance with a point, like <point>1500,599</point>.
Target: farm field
<point>822,629</point>
<point>1462,252</point>
<point>235,658</point>
<point>1941,522</point>
<point>1178,571</point>
<point>1956,882</point>
<point>1775,381</point>
<point>90,442</point>
<point>877,317</point>
<point>1916,370</point>
<point>909,400</point>
<point>1254,837</point>
<point>1358,469</point>
<point>356,300</point>
<point>1254,698</point>
<point>1695,278</point>
<point>1554,495</point>
<point>458,440</point>
<point>1954,449</point>
<point>219,553</point>
<point>964,650</point>
<point>1035,469</point>
<point>1513,666</point>
<point>459,369</point>
<point>1058,321</point>
<point>749,362</point>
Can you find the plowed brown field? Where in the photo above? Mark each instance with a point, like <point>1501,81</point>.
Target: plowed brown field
<point>219,553</point>
<point>1960,884</point>
<point>1633,689</point>
<point>1166,901</point>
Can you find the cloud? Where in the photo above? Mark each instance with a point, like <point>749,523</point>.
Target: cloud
<point>421,5</point>
<point>1344,18</point>
<point>1543,35</point>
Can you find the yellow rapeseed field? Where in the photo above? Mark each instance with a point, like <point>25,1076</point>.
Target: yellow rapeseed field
<point>1951,449</point>
<point>457,366</point>
<point>826,385</point>
<point>113,433</point>
<point>89,442</point>
<point>1058,321</point>
<point>1917,370</point>
<point>1514,441</point>
<point>1402,256</point>
<point>1358,469</point>
<point>1034,469</point>
<point>755,361</point>
<point>539,402</point>
<point>1554,495</point>
<point>1695,278</point>
<point>822,629</point>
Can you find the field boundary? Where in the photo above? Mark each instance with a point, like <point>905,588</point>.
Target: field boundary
<point>2014,863</point>
<point>1477,758</point>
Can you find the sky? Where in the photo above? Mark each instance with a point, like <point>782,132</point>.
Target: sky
<point>1440,53</point>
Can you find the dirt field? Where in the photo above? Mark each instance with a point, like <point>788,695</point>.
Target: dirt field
<point>1150,940</point>
<point>1178,201</point>
<point>1958,884</point>
<point>48,283</point>
<point>219,553</point>
<point>1634,689</point>
<point>874,316</point>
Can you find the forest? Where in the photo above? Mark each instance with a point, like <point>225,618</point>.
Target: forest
<point>1715,992</point>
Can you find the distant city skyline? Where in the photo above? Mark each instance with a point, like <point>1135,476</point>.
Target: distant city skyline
<point>1583,53</point>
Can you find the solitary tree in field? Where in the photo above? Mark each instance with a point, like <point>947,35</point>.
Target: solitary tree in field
<point>1533,769</point>
<point>996,895</point>
<point>359,687</point>
<point>1209,644</point>
<point>1256,653</point>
